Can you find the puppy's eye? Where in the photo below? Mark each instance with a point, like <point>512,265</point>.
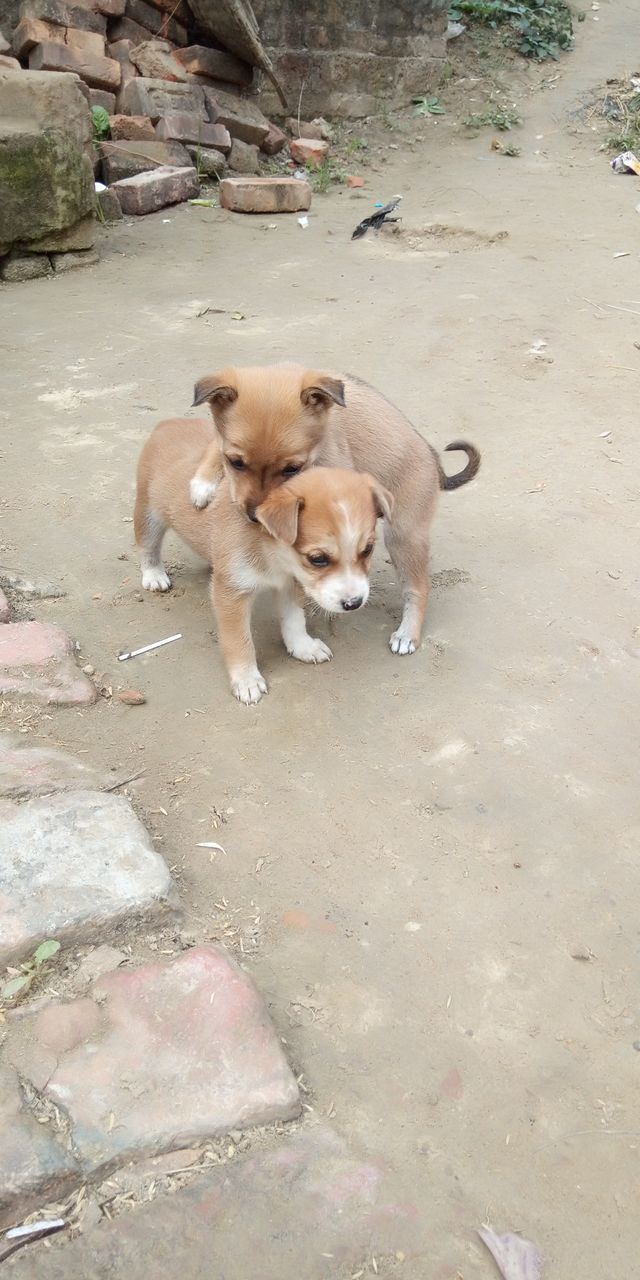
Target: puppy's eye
<point>291,470</point>
<point>319,561</point>
<point>236,463</point>
<point>367,550</point>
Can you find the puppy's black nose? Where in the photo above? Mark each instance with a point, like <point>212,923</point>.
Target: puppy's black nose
<point>353,603</point>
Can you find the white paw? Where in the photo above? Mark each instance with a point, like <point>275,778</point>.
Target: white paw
<point>400,643</point>
<point>156,579</point>
<point>249,688</point>
<point>201,492</point>
<point>310,650</point>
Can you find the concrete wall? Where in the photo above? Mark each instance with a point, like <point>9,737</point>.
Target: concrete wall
<point>352,55</point>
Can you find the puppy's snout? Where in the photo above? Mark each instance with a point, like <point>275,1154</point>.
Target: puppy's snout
<point>352,602</point>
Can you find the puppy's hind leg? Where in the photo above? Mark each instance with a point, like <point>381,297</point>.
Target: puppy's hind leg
<point>410,555</point>
<point>150,530</point>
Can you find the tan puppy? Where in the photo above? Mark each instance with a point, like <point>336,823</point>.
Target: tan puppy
<point>312,536</point>
<point>273,423</point>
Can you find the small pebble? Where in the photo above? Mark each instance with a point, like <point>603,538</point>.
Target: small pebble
<point>132,697</point>
<point>89,670</point>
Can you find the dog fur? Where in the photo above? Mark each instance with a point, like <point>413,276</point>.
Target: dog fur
<point>273,422</point>
<point>312,536</point>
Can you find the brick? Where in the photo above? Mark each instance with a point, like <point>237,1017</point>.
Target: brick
<point>100,98</point>
<point>208,162</point>
<point>178,8</point>
<point>215,64</point>
<point>55,853</point>
<point>154,59</point>
<point>242,117</point>
<point>34,1165</point>
<point>183,126</point>
<point>148,192</point>
<point>155,98</point>
<point>65,13</point>
<point>9,64</point>
<point>243,158</point>
<point>17,267</point>
<point>159,24</point>
<point>309,151</point>
<point>132,129</point>
<point>306,1207</point>
<point>110,8</point>
<point>62,262</point>
<point>100,72</point>
<point>265,195</point>
<point>275,140</point>
<point>193,1028</point>
<point>108,205</point>
<point>126,159</point>
<point>30,769</point>
<point>5,614</point>
<point>120,50</point>
<point>32,31</point>
<point>125,29</point>
<point>37,658</point>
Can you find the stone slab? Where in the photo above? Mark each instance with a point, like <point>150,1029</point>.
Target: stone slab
<point>243,157</point>
<point>265,195</point>
<point>19,266</point>
<point>215,64</point>
<point>29,769</point>
<point>126,159</point>
<point>306,1209</point>
<point>131,129</point>
<point>241,116</point>
<point>62,262</point>
<point>154,59</point>
<point>159,1057</point>
<point>37,660</point>
<point>36,101</point>
<point>183,126</point>
<point>32,31</point>
<point>208,162</point>
<point>275,140</point>
<point>34,1164</point>
<point>71,865</point>
<point>155,98</point>
<point>159,24</point>
<point>65,13</point>
<point>97,71</point>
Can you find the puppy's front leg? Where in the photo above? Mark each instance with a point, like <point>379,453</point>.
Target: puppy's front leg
<point>293,625</point>
<point>233,613</point>
<point>207,478</point>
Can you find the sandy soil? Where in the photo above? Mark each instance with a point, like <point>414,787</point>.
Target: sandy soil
<point>432,861</point>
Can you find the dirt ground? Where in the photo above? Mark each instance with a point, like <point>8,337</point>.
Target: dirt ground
<point>431,862</point>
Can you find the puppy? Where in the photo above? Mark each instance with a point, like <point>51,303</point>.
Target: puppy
<point>312,536</point>
<point>272,423</point>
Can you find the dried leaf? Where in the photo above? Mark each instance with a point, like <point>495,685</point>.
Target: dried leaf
<point>237,315</point>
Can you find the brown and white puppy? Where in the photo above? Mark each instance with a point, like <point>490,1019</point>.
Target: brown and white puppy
<point>313,536</point>
<point>271,423</point>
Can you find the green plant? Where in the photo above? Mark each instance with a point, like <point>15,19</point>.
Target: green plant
<point>427,107</point>
<point>324,175</point>
<point>510,150</point>
<point>101,126</point>
<point>535,28</point>
<point>356,144</point>
<point>494,117</point>
<point>20,981</point>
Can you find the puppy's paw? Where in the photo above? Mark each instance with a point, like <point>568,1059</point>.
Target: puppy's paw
<point>248,687</point>
<point>310,650</point>
<point>156,579</point>
<point>201,492</point>
<point>401,643</point>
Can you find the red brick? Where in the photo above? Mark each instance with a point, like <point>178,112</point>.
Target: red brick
<point>194,1027</point>
<point>243,158</point>
<point>274,141</point>
<point>215,64</point>
<point>310,151</point>
<point>154,59</point>
<point>125,29</point>
<point>37,660</point>
<point>120,51</point>
<point>99,72</point>
<point>132,129</point>
<point>265,195</point>
<point>126,159</point>
<point>148,192</point>
<point>9,64</point>
<point>242,117</point>
<point>100,98</point>
<point>183,126</point>
<point>65,13</point>
<point>156,98</point>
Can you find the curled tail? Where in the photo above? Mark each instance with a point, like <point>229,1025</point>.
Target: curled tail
<point>467,473</point>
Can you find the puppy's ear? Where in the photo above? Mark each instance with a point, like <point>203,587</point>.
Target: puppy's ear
<point>279,514</point>
<point>382,499</point>
<point>218,389</point>
<point>319,391</point>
